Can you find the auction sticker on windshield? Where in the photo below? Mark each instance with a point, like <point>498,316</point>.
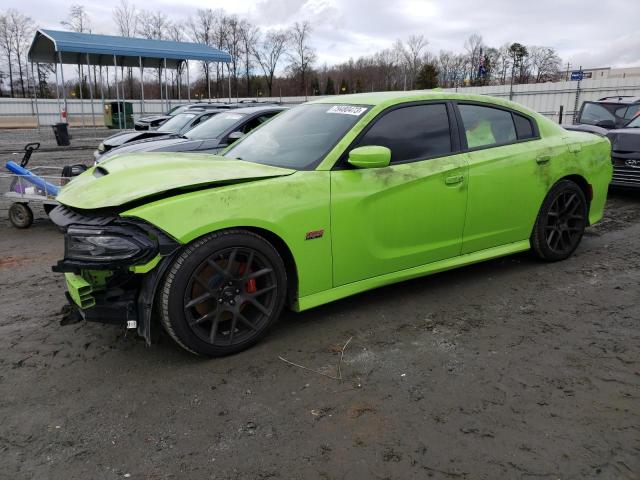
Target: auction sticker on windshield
<point>347,110</point>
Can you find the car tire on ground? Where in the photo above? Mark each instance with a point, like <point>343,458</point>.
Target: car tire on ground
<point>222,293</point>
<point>561,222</point>
<point>20,215</point>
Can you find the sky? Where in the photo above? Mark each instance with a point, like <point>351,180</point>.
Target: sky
<point>588,33</point>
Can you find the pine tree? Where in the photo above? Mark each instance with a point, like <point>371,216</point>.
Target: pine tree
<point>427,77</point>
<point>315,86</point>
<point>329,89</point>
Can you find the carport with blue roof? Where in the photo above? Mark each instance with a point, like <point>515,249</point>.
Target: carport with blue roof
<point>61,47</point>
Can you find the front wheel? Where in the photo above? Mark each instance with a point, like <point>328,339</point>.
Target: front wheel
<point>561,222</point>
<point>20,215</point>
<point>222,293</point>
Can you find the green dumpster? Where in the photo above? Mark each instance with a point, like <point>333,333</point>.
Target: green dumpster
<point>112,114</point>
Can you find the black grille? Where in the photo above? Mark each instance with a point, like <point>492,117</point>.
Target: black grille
<point>63,216</point>
<point>624,174</point>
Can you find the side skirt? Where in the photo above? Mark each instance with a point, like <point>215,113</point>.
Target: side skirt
<point>326,296</point>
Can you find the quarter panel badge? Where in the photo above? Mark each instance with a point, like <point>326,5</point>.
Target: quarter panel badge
<point>314,234</point>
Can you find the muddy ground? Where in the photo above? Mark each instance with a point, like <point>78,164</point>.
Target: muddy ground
<point>507,369</point>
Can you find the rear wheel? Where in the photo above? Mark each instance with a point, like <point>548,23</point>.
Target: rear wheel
<point>561,222</point>
<point>20,215</point>
<point>223,292</point>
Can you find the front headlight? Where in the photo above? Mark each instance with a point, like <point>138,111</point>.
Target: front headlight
<point>107,245</point>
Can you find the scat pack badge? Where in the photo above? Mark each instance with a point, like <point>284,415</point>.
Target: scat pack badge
<point>314,234</point>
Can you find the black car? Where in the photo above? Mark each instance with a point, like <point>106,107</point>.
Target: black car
<point>151,122</point>
<point>176,125</point>
<point>618,119</point>
<point>209,137</point>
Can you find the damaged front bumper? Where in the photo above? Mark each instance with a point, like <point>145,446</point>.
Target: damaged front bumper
<point>112,267</point>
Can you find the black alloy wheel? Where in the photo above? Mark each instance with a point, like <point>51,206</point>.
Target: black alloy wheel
<point>223,292</point>
<point>561,222</point>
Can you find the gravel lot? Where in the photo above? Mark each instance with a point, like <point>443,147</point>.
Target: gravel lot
<point>506,369</point>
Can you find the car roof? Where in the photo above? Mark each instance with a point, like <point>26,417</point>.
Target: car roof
<point>201,111</point>
<point>618,99</point>
<point>265,108</point>
<point>385,99</point>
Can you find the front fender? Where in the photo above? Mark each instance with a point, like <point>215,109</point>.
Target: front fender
<point>289,207</point>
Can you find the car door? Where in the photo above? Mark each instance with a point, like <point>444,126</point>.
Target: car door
<point>508,178</point>
<point>411,213</point>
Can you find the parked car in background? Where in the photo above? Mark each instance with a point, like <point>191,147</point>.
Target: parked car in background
<point>208,137</point>
<point>176,125</point>
<point>618,119</point>
<point>328,199</point>
<point>151,122</point>
<point>609,112</point>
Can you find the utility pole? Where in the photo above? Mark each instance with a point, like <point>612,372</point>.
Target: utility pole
<point>575,105</point>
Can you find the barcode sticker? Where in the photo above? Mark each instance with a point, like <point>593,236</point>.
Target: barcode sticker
<point>347,110</point>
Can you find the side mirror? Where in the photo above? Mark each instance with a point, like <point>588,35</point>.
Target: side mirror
<point>606,124</point>
<point>233,136</point>
<point>371,156</point>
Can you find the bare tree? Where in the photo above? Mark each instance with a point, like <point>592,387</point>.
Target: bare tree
<point>544,62</point>
<point>302,55</point>
<point>6,44</point>
<point>126,17</point>
<point>250,35</point>
<point>268,53</point>
<point>233,46</point>
<point>152,25</point>
<point>473,46</point>
<point>78,19</point>
<point>411,52</point>
<point>202,28</point>
<point>21,29</point>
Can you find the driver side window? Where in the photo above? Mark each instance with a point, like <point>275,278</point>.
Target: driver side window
<point>412,133</point>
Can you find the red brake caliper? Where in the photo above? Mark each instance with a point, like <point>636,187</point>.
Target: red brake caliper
<point>251,283</point>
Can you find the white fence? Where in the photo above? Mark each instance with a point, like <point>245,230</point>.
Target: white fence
<point>19,111</point>
<point>545,98</point>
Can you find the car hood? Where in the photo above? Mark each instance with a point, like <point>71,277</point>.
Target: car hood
<point>130,136</point>
<point>129,178</point>
<point>154,144</point>
<point>625,139</point>
<point>151,118</point>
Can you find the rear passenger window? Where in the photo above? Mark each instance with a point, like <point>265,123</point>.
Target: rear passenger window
<point>485,126</point>
<point>412,133</point>
<point>524,128</point>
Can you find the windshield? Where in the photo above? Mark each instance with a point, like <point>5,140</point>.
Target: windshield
<point>176,110</point>
<point>593,113</point>
<point>176,123</point>
<point>214,127</point>
<point>298,138</point>
<point>635,123</point>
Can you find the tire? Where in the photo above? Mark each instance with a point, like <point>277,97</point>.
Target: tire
<point>20,215</point>
<point>561,222</point>
<point>222,293</point>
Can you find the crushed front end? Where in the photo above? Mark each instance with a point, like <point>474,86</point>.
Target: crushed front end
<point>112,266</point>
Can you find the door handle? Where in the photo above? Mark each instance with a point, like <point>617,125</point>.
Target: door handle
<point>454,179</point>
<point>543,159</point>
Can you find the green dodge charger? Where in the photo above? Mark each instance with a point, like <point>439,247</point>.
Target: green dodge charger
<point>328,199</point>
